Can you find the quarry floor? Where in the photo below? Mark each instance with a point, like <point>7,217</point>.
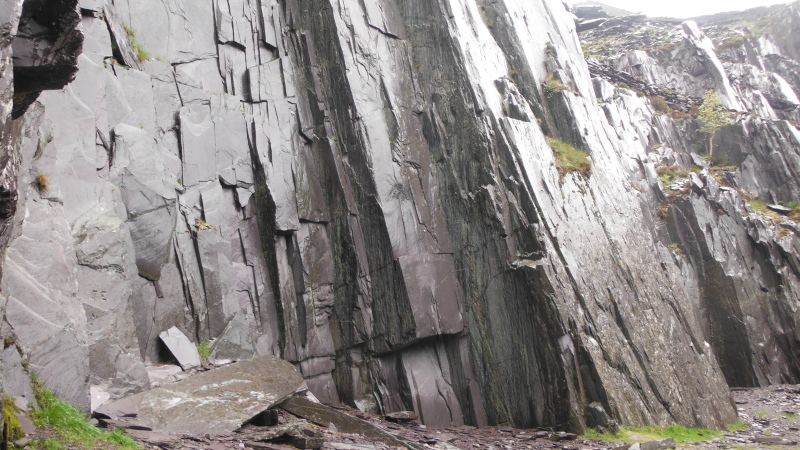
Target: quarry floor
<point>770,420</point>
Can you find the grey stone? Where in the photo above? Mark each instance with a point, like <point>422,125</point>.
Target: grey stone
<point>148,193</point>
<point>662,444</point>
<point>780,209</point>
<point>342,446</point>
<point>386,211</point>
<point>401,416</point>
<point>184,350</point>
<point>120,37</point>
<point>344,423</point>
<point>212,402</point>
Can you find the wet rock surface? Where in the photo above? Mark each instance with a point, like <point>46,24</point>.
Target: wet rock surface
<point>369,190</point>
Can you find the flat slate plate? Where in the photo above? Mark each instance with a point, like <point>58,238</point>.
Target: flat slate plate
<point>214,402</point>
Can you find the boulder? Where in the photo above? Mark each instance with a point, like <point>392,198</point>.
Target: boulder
<point>213,402</point>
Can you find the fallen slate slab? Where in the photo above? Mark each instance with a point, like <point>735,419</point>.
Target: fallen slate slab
<point>341,446</point>
<point>181,347</point>
<point>151,437</point>
<point>324,416</point>
<point>780,209</point>
<point>288,429</point>
<point>306,442</point>
<point>563,436</point>
<point>772,440</point>
<point>214,402</point>
<point>663,444</point>
<point>401,416</point>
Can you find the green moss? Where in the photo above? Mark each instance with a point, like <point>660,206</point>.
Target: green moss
<point>13,428</point>
<point>70,426</point>
<point>570,159</point>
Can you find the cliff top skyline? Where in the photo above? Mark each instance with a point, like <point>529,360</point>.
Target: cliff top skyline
<point>682,9</point>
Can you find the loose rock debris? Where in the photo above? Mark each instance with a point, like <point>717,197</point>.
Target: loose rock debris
<point>262,404</point>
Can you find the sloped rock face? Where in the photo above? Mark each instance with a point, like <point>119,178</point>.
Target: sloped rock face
<point>737,260</point>
<point>368,190</point>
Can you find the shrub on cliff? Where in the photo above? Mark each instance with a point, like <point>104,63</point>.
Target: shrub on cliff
<point>713,116</point>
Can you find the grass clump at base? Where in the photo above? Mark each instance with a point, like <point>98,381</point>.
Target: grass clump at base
<point>570,159</point>
<point>738,426</point>
<point>70,426</point>
<point>644,434</point>
<point>204,349</point>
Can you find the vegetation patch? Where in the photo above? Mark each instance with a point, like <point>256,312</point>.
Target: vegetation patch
<point>13,430</point>
<point>570,159</point>
<point>738,426</point>
<point>733,42</point>
<point>141,54</point>
<point>204,349</point>
<point>660,105</point>
<point>552,85</point>
<point>644,434</point>
<point>69,427</point>
<point>667,174</point>
<point>713,115</point>
<point>202,225</point>
<point>42,183</point>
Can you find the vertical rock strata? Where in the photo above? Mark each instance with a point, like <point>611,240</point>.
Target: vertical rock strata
<point>367,189</point>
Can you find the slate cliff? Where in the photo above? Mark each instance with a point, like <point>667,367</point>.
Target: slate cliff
<point>368,190</point>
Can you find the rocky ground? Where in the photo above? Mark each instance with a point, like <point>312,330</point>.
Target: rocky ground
<point>770,417</point>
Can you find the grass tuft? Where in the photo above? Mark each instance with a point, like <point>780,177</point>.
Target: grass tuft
<point>570,159</point>
<point>204,348</point>
<point>42,183</point>
<point>70,425</point>
<point>738,426</point>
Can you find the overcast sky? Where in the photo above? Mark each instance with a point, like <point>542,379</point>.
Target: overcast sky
<point>685,8</point>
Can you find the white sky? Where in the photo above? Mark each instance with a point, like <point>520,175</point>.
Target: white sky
<point>685,8</point>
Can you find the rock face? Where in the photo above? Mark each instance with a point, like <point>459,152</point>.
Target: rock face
<point>368,190</point>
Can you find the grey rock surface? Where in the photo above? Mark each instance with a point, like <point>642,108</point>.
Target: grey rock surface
<point>213,402</point>
<point>184,350</point>
<point>369,191</point>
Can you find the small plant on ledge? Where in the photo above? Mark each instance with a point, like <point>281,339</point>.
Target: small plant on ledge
<point>570,159</point>
<point>42,183</point>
